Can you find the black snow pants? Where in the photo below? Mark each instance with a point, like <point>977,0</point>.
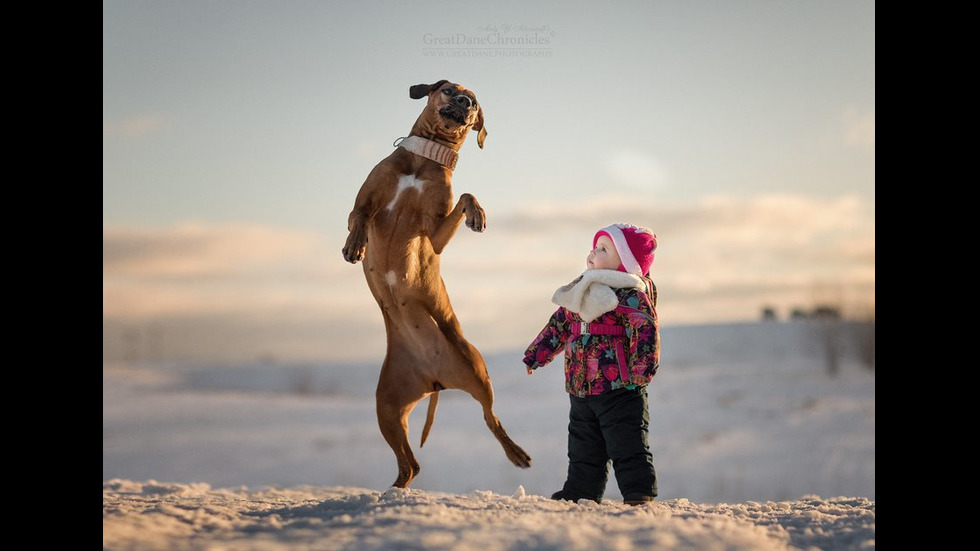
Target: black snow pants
<point>612,426</point>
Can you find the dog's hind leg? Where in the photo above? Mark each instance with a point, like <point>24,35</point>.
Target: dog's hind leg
<point>483,393</point>
<point>394,404</point>
<point>393,420</point>
<point>471,376</point>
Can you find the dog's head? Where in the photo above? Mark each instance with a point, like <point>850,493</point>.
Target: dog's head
<point>451,112</point>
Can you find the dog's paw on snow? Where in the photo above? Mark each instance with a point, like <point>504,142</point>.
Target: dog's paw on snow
<point>394,493</point>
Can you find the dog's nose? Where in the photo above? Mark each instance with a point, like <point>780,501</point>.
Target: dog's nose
<point>463,101</point>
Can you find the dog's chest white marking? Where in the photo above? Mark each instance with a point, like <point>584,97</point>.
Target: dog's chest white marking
<point>391,278</point>
<point>406,181</point>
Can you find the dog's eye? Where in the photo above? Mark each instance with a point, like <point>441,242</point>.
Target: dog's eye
<point>447,91</point>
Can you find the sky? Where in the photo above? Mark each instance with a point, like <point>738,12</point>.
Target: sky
<point>236,135</point>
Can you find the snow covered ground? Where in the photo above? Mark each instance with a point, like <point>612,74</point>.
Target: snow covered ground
<point>741,414</point>
<point>193,516</point>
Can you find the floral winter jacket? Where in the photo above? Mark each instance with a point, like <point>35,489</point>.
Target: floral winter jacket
<point>609,342</point>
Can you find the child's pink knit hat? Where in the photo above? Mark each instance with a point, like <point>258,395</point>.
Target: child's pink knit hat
<point>634,245</point>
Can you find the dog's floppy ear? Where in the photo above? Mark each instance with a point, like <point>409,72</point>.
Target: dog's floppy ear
<point>482,130</point>
<point>419,91</point>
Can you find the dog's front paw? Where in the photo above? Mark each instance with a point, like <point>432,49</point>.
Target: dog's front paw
<point>355,247</point>
<point>476,217</point>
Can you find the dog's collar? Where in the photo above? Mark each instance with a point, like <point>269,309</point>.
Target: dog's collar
<point>430,150</point>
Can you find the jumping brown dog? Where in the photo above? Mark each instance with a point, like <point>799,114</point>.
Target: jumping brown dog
<point>402,220</point>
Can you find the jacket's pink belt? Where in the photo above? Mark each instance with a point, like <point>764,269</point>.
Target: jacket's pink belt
<point>597,329</point>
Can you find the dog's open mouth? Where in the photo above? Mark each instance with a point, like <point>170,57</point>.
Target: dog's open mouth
<point>453,114</point>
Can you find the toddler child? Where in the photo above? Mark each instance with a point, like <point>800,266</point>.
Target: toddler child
<point>607,326</point>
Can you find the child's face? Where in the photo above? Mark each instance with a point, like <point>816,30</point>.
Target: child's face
<point>604,255</point>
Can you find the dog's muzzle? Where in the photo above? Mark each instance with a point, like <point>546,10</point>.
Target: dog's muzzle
<point>457,109</point>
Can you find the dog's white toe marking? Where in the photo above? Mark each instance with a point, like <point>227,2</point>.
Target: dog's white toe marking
<point>406,181</point>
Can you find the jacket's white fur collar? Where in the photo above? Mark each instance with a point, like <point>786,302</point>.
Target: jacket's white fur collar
<point>591,294</point>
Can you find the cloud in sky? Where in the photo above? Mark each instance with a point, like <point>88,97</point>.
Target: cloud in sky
<point>859,128</point>
<point>199,250</point>
<point>288,293</point>
<point>723,256</point>
<point>636,169</point>
<point>194,269</point>
<point>135,126</point>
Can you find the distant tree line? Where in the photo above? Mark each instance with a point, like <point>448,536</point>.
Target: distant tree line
<point>833,332</point>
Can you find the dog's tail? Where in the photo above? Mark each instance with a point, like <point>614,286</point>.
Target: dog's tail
<point>430,415</point>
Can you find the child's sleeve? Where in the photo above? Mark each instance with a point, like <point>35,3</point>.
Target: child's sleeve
<point>549,342</point>
<point>644,344</point>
